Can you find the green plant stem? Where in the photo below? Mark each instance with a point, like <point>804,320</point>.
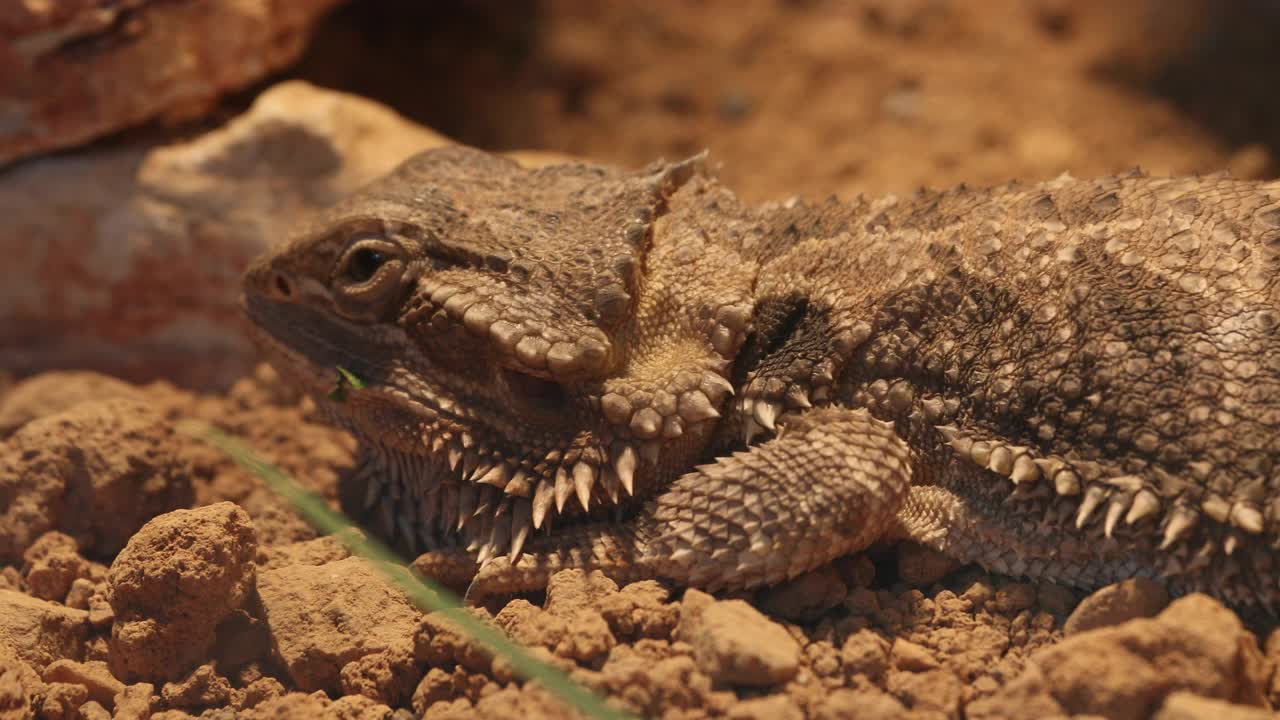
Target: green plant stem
<point>426,595</point>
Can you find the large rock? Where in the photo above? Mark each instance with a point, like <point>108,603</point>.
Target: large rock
<point>78,70</point>
<point>178,577</point>
<point>97,472</point>
<point>1128,671</point>
<point>323,617</point>
<point>104,243</point>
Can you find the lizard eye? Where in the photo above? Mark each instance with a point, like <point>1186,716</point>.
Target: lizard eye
<point>363,263</point>
<point>368,275</point>
<point>367,261</point>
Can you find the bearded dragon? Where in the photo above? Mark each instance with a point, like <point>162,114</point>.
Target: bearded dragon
<point>579,365</point>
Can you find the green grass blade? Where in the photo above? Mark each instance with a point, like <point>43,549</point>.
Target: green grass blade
<point>426,595</point>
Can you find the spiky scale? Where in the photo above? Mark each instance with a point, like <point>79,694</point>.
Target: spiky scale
<point>1145,505</point>
<point>1181,521</point>
<point>564,487</point>
<point>521,524</point>
<point>1093,497</point>
<point>1247,518</point>
<point>624,463</point>
<point>584,478</point>
<point>543,498</point>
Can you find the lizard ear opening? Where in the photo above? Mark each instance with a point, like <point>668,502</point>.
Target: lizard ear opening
<point>534,393</point>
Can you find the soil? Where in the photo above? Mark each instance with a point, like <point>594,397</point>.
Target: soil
<point>143,574</point>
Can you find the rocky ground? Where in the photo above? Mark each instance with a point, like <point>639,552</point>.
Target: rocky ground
<point>142,574</point>
<point>116,598</point>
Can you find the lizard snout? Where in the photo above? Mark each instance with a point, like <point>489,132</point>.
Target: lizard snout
<point>273,283</point>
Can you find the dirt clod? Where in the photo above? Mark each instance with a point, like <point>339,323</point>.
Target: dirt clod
<point>1126,671</point>
<point>1135,598</point>
<point>736,644</point>
<point>96,471</point>
<point>41,632</point>
<point>93,675</point>
<point>323,617</point>
<point>178,577</point>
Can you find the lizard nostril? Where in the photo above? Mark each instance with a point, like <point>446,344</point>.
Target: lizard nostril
<point>281,285</point>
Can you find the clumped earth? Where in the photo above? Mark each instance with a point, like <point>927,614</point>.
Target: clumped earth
<point>144,575</point>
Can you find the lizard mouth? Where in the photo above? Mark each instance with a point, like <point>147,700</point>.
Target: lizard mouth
<point>438,473</point>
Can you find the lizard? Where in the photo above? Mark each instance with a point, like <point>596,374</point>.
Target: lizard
<point>578,365</point>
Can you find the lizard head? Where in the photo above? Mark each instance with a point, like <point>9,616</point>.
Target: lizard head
<point>513,346</point>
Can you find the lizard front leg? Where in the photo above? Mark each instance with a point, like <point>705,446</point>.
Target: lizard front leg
<point>829,484</point>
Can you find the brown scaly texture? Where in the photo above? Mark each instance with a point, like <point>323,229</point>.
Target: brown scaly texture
<point>1077,380</point>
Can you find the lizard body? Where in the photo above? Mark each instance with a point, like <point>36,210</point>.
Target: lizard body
<point>1076,380</point>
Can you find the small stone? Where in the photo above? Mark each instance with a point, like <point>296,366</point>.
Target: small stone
<point>134,702</point>
<point>53,392</point>
<point>771,707</point>
<point>203,688</point>
<point>259,691</point>
<point>52,564</point>
<point>1138,597</point>
<point>865,653</point>
<point>1013,598</point>
<point>388,677</point>
<point>864,703</point>
<point>79,595</point>
<point>63,700</point>
<point>20,686</point>
<point>736,644</point>
<point>1026,697</point>
<point>96,471</point>
<point>1055,599</point>
<point>1126,671</point>
<point>93,710</point>
<point>95,676</point>
<point>910,657</point>
<point>936,690</point>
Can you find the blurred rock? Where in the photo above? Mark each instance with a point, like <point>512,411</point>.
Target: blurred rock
<point>20,686</point>
<point>51,564</point>
<point>806,597</point>
<point>97,472</point>
<point>79,70</point>
<point>1183,705</point>
<point>53,392</point>
<point>127,260</point>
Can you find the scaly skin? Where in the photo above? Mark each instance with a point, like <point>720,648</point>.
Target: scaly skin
<point>1077,381</point>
